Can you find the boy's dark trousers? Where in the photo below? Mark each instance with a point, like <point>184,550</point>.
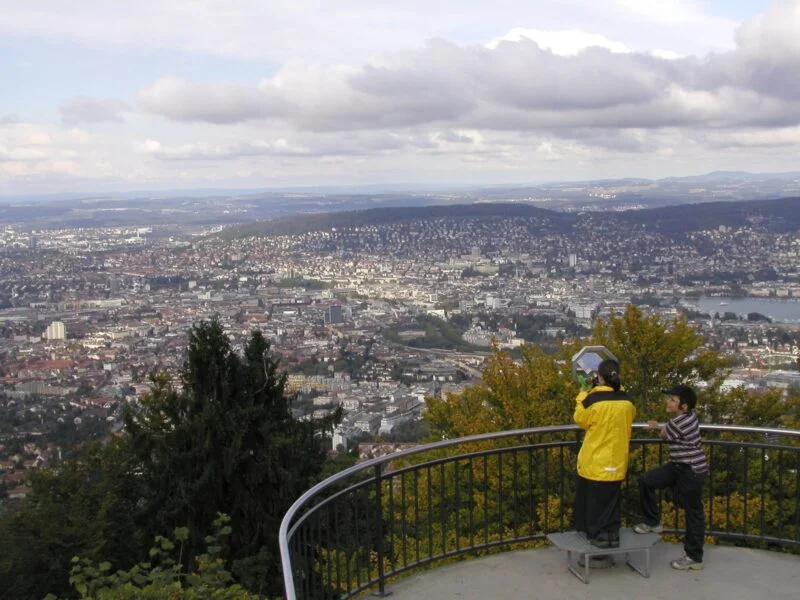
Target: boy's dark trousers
<point>689,488</point>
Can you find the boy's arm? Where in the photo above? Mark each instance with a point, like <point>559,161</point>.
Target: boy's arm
<point>669,431</point>
<point>662,429</point>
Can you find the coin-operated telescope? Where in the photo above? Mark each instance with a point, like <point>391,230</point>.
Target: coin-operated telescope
<point>585,363</point>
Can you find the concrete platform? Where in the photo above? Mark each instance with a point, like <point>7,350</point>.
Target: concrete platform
<point>541,574</point>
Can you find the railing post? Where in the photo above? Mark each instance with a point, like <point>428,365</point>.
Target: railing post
<point>379,527</point>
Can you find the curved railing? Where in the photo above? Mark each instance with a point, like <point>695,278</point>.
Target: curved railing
<point>395,513</point>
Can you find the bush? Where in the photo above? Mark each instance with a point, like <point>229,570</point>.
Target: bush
<point>162,577</point>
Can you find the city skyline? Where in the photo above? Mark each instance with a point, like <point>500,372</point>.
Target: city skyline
<point>115,97</point>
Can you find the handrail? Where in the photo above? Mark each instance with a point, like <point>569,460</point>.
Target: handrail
<point>286,528</point>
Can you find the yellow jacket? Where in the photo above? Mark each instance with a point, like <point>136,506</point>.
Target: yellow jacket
<point>607,417</point>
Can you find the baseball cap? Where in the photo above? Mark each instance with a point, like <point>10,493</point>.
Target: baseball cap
<point>684,392</point>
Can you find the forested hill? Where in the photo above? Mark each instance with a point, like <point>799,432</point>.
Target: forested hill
<point>296,225</point>
<point>779,216</point>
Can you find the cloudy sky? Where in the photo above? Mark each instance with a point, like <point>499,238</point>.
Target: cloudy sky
<point>117,95</point>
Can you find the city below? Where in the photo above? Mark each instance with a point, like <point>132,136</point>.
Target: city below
<point>374,316</point>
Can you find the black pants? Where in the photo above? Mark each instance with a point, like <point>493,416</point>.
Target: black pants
<point>597,508</point>
<point>689,496</point>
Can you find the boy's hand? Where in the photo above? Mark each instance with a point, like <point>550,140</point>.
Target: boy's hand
<point>653,425</point>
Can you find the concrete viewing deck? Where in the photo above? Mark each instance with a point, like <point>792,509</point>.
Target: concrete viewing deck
<point>541,574</point>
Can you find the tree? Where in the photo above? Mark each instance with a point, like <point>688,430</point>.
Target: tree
<point>536,391</point>
<point>87,504</point>
<point>226,443</point>
<point>758,408</point>
<point>655,353</point>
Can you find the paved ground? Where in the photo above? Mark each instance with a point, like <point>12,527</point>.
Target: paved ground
<point>730,574</point>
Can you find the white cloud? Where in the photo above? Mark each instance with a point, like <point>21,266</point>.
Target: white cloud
<point>33,152</point>
<point>749,138</point>
<point>214,102</point>
<point>203,151</point>
<point>20,154</point>
<point>768,51</point>
<point>93,110</point>
<point>148,147</point>
<point>774,34</point>
<point>415,91</point>
<point>511,85</point>
<point>665,54</point>
<point>302,146</point>
<point>563,43</point>
<point>38,138</point>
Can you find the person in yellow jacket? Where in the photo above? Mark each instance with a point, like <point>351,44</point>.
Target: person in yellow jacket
<point>606,412</point>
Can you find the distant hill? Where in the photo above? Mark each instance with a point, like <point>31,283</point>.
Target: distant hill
<point>393,214</point>
<point>203,208</point>
<point>778,216</point>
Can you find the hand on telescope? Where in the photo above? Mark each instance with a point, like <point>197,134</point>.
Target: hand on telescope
<point>585,384</point>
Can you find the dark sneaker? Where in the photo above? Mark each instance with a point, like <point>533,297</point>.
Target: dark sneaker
<point>684,563</point>
<point>645,528</point>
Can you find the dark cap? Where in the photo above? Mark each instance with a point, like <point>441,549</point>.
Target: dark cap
<point>684,392</point>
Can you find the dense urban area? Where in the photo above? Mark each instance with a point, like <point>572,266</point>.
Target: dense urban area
<point>371,318</point>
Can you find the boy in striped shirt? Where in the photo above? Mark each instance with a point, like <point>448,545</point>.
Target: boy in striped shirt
<point>686,471</point>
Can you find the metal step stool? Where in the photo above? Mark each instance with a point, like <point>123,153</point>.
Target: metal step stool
<point>629,542</point>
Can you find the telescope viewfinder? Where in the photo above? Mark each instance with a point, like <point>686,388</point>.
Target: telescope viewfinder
<point>586,361</point>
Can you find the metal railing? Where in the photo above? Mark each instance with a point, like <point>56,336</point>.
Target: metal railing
<point>395,513</point>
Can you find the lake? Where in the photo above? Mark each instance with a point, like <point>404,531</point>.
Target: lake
<point>780,310</point>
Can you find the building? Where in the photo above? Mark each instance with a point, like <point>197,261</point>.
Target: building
<point>56,331</point>
<point>572,259</point>
<point>343,436</point>
<point>334,315</point>
<point>401,411</point>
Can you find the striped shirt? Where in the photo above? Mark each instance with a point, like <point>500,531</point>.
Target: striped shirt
<point>683,435</point>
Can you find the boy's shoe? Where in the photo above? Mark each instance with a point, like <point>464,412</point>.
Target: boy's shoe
<point>645,528</point>
<point>684,563</point>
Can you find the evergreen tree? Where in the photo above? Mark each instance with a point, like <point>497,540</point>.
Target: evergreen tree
<point>226,443</point>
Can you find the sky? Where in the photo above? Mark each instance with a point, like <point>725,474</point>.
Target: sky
<point>110,95</point>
